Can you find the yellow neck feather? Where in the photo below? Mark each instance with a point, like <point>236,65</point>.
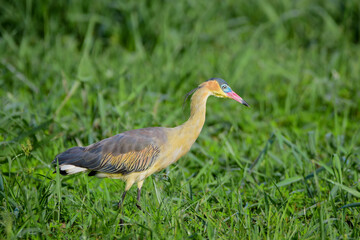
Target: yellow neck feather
<point>191,129</point>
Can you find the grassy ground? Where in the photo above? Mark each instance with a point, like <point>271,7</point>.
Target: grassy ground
<point>74,73</point>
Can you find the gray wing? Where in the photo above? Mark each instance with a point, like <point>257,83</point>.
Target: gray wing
<point>132,151</point>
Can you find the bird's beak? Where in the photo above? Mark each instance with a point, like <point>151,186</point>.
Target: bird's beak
<point>237,98</point>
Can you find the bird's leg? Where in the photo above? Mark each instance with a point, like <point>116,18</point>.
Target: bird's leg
<point>120,206</point>
<point>138,199</point>
<point>127,187</point>
<point>139,194</point>
<point>122,199</point>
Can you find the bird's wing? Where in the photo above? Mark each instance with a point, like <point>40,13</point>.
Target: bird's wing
<point>132,151</point>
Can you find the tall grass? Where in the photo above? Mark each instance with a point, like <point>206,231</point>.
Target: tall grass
<point>73,73</point>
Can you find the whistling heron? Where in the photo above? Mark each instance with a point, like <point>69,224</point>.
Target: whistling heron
<point>134,155</point>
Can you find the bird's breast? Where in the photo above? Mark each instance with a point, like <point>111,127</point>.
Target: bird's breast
<point>171,155</point>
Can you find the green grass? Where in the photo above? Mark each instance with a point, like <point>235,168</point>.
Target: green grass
<point>74,73</point>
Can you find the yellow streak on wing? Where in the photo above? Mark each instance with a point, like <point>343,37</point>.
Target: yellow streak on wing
<point>132,161</point>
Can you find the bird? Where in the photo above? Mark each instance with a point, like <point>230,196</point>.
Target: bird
<point>134,155</point>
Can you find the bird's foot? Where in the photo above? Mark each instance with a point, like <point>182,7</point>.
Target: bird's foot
<point>121,222</point>
<point>138,206</point>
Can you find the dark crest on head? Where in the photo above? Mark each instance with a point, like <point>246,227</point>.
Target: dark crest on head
<point>219,80</point>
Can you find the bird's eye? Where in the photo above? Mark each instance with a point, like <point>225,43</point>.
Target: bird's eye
<point>225,88</point>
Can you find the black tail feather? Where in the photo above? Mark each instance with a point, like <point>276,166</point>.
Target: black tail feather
<point>70,156</point>
<point>92,173</point>
<point>62,172</point>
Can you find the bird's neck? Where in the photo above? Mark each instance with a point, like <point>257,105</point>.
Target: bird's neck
<point>191,129</point>
<point>198,109</point>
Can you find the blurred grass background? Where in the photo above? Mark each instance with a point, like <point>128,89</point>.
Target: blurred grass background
<point>75,72</point>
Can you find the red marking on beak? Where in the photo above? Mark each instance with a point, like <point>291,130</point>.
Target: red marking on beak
<point>237,98</point>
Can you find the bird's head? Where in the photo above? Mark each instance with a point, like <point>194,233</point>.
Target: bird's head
<point>219,88</point>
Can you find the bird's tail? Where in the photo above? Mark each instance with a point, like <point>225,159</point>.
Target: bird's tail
<point>68,161</point>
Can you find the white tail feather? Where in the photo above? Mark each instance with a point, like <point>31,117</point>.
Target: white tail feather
<point>71,169</point>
